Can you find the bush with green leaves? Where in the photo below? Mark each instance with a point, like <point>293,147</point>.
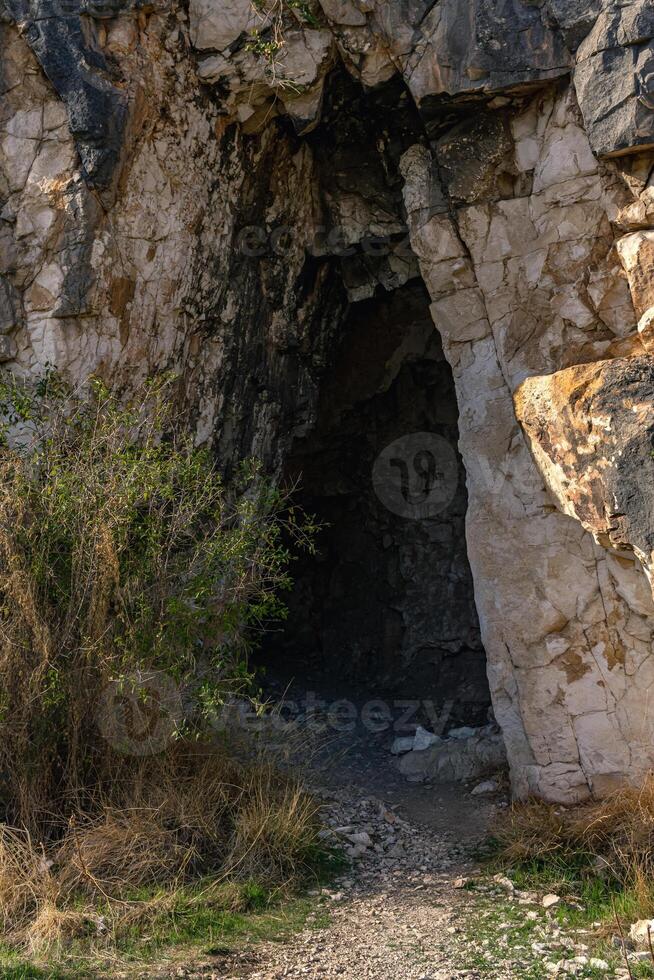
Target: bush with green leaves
<point>123,555</point>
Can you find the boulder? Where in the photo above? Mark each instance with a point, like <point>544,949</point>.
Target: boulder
<point>590,428</point>
<point>456,760</point>
<point>614,78</point>
<point>215,24</point>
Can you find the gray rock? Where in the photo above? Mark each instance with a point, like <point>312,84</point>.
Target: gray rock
<point>614,79</point>
<point>214,26</point>
<point>81,76</point>
<point>454,760</point>
<point>424,739</point>
<point>343,12</point>
<point>464,732</point>
<point>7,349</point>
<point>9,306</point>
<point>575,18</point>
<point>483,46</point>
<point>401,745</point>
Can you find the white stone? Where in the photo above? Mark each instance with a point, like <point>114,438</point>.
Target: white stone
<point>566,153</point>
<point>639,930</point>
<point>424,740</point>
<point>488,786</point>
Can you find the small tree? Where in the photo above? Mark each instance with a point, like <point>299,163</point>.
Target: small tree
<point>123,557</point>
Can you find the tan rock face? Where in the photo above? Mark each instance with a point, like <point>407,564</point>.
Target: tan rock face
<point>590,429</point>
<point>243,213</point>
<point>523,288</point>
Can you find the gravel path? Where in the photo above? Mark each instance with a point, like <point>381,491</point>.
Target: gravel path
<point>401,911</point>
<point>391,916</point>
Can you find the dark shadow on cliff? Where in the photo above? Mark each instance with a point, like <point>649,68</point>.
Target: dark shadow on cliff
<point>386,608</point>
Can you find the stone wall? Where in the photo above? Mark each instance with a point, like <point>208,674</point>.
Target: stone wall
<point>566,622</point>
<point>173,199</point>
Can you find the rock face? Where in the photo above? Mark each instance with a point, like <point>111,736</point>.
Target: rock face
<point>218,190</point>
<point>591,429</point>
<point>456,759</point>
<point>87,83</point>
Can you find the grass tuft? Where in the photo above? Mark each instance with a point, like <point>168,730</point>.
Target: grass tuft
<point>245,831</point>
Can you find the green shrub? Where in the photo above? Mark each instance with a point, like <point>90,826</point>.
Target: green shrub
<point>131,580</point>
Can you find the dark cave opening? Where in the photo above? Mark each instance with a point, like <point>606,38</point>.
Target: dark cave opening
<point>385,609</point>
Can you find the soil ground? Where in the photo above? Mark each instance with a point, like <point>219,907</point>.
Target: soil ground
<point>415,901</point>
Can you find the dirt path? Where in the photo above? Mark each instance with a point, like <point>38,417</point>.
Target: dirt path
<point>400,912</point>
<point>392,915</point>
<point>389,917</point>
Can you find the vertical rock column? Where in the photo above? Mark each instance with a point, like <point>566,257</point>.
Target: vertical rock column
<point>525,286</point>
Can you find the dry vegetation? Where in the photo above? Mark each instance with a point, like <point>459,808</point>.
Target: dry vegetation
<point>268,39</point>
<point>191,817</point>
<point>130,578</point>
<point>611,840</point>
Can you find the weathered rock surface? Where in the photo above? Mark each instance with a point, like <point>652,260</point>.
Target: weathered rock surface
<point>591,429</point>
<point>614,78</point>
<point>80,74</point>
<point>456,759</point>
<point>173,198</point>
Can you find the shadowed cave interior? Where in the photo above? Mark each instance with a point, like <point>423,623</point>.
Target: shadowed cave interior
<point>385,609</point>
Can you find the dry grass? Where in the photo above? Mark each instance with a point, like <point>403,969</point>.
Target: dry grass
<point>277,826</point>
<point>613,838</point>
<point>200,817</point>
<point>26,882</point>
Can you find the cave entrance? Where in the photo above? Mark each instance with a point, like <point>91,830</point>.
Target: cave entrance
<point>385,609</point>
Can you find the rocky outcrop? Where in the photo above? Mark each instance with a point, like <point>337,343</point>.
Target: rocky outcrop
<point>614,78</point>
<point>64,39</point>
<point>591,429</point>
<point>214,191</point>
<point>468,755</point>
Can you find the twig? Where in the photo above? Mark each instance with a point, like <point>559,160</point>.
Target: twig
<point>622,939</point>
<point>649,941</point>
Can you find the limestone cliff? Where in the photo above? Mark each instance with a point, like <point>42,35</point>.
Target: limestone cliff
<point>211,189</point>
